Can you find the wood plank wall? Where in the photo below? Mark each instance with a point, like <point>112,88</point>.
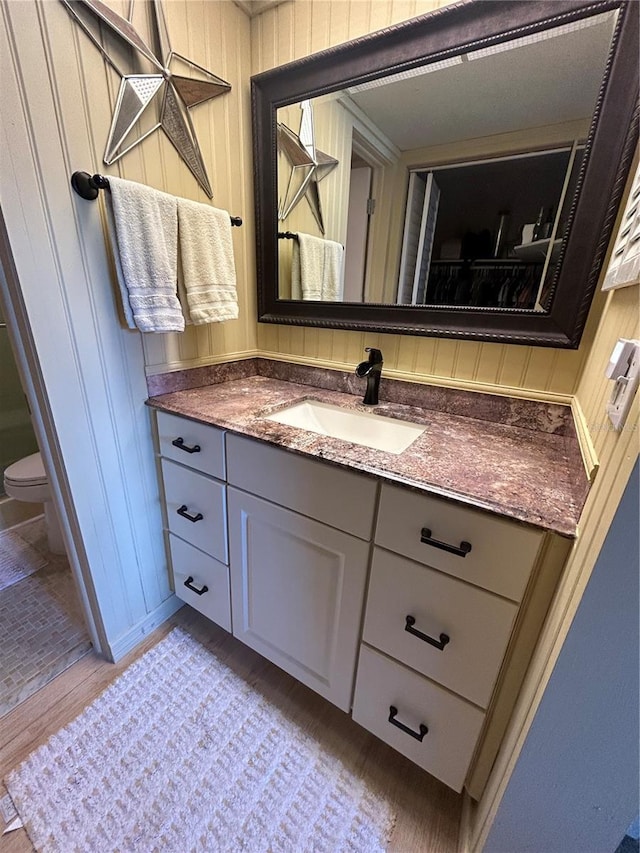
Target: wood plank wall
<point>56,100</point>
<point>617,452</point>
<point>215,35</point>
<point>293,30</point>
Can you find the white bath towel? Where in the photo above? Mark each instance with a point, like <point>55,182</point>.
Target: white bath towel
<point>143,230</point>
<point>208,266</point>
<point>316,269</point>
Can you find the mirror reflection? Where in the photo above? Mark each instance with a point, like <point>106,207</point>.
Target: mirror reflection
<point>446,185</point>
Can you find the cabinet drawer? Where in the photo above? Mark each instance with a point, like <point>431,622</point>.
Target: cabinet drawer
<point>199,446</point>
<point>453,724</point>
<point>191,494</point>
<point>297,590</point>
<point>201,581</point>
<point>477,623</point>
<point>340,498</point>
<point>502,552</point>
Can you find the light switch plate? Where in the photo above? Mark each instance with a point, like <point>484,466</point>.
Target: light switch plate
<point>624,370</point>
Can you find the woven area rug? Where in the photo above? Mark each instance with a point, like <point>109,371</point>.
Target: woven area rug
<point>18,559</point>
<point>180,754</point>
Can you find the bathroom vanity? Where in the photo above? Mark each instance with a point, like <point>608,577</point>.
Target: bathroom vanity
<point>413,607</point>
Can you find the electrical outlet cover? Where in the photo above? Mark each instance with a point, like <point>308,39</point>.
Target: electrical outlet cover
<point>624,369</point>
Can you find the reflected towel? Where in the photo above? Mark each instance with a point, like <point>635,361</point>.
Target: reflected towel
<point>316,269</point>
<point>208,268</point>
<point>143,230</point>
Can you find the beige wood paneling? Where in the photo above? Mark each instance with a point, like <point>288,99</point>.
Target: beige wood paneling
<point>621,319</point>
<point>215,35</point>
<point>617,452</point>
<point>291,31</point>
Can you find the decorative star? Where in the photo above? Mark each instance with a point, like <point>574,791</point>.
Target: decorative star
<point>309,165</point>
<point>175,92</point>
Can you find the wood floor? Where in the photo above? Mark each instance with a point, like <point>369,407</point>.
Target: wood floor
<point>428,812</point>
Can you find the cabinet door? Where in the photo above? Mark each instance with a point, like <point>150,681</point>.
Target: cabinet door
<point>297,590</point>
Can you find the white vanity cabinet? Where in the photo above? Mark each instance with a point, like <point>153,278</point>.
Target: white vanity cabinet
<point>396,605</point>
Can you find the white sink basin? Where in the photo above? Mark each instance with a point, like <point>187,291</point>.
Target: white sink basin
<point>376,431</point>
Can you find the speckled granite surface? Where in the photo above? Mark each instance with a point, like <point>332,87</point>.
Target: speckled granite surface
<point>197,377</point>
<point>528,474</point>
<point>530,414</point>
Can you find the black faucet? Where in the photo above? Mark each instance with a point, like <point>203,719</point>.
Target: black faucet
<point>372,370</point>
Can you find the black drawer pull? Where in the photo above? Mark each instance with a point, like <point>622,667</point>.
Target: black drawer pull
<point>417,735</point>
<point>439,644</point>
<point>182,510</point>
<point>462,551</point>
<point>189,585</point>
<point>179,443</point>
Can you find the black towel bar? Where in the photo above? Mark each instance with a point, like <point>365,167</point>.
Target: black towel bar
<point>87,186</point>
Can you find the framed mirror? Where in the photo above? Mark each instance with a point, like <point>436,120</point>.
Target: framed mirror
<point>457,175</point>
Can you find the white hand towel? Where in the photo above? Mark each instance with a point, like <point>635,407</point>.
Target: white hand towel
<point>332,277</point>
<point>208,266</point>
<point>143,229</point>
<point>296,272</point>
<point>316,269</point>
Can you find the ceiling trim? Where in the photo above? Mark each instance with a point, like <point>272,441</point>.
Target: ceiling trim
<point>256,7</point>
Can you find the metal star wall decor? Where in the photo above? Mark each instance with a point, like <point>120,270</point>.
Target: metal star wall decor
<point>169,93</point>
<point>309,165</point>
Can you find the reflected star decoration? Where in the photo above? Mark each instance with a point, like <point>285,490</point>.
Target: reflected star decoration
<point>300,149</point>
<point>177,93</point>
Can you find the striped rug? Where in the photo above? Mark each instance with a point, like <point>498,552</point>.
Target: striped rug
<point>181,754</point>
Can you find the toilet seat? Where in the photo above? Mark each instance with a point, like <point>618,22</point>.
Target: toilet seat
<point>26,472</point>
<point>26,480</point>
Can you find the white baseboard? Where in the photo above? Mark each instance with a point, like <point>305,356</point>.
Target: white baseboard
<point>136,634</point>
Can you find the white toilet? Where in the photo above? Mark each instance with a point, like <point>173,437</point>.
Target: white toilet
<point>26,480</point>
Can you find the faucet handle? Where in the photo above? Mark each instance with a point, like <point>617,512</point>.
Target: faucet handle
<point>375,355</point>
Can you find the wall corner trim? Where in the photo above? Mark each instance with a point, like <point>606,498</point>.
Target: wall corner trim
<point>587,448</point>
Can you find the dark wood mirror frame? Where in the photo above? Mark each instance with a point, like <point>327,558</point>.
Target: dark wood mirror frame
<point>463,26</point>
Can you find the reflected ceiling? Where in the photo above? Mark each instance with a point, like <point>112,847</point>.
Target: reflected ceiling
<point>530,85</point>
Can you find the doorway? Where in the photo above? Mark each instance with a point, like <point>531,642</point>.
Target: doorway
<point>45,621</point>
<point>355,254</point>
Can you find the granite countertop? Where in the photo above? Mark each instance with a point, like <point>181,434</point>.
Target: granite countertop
<point>525,474</point>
